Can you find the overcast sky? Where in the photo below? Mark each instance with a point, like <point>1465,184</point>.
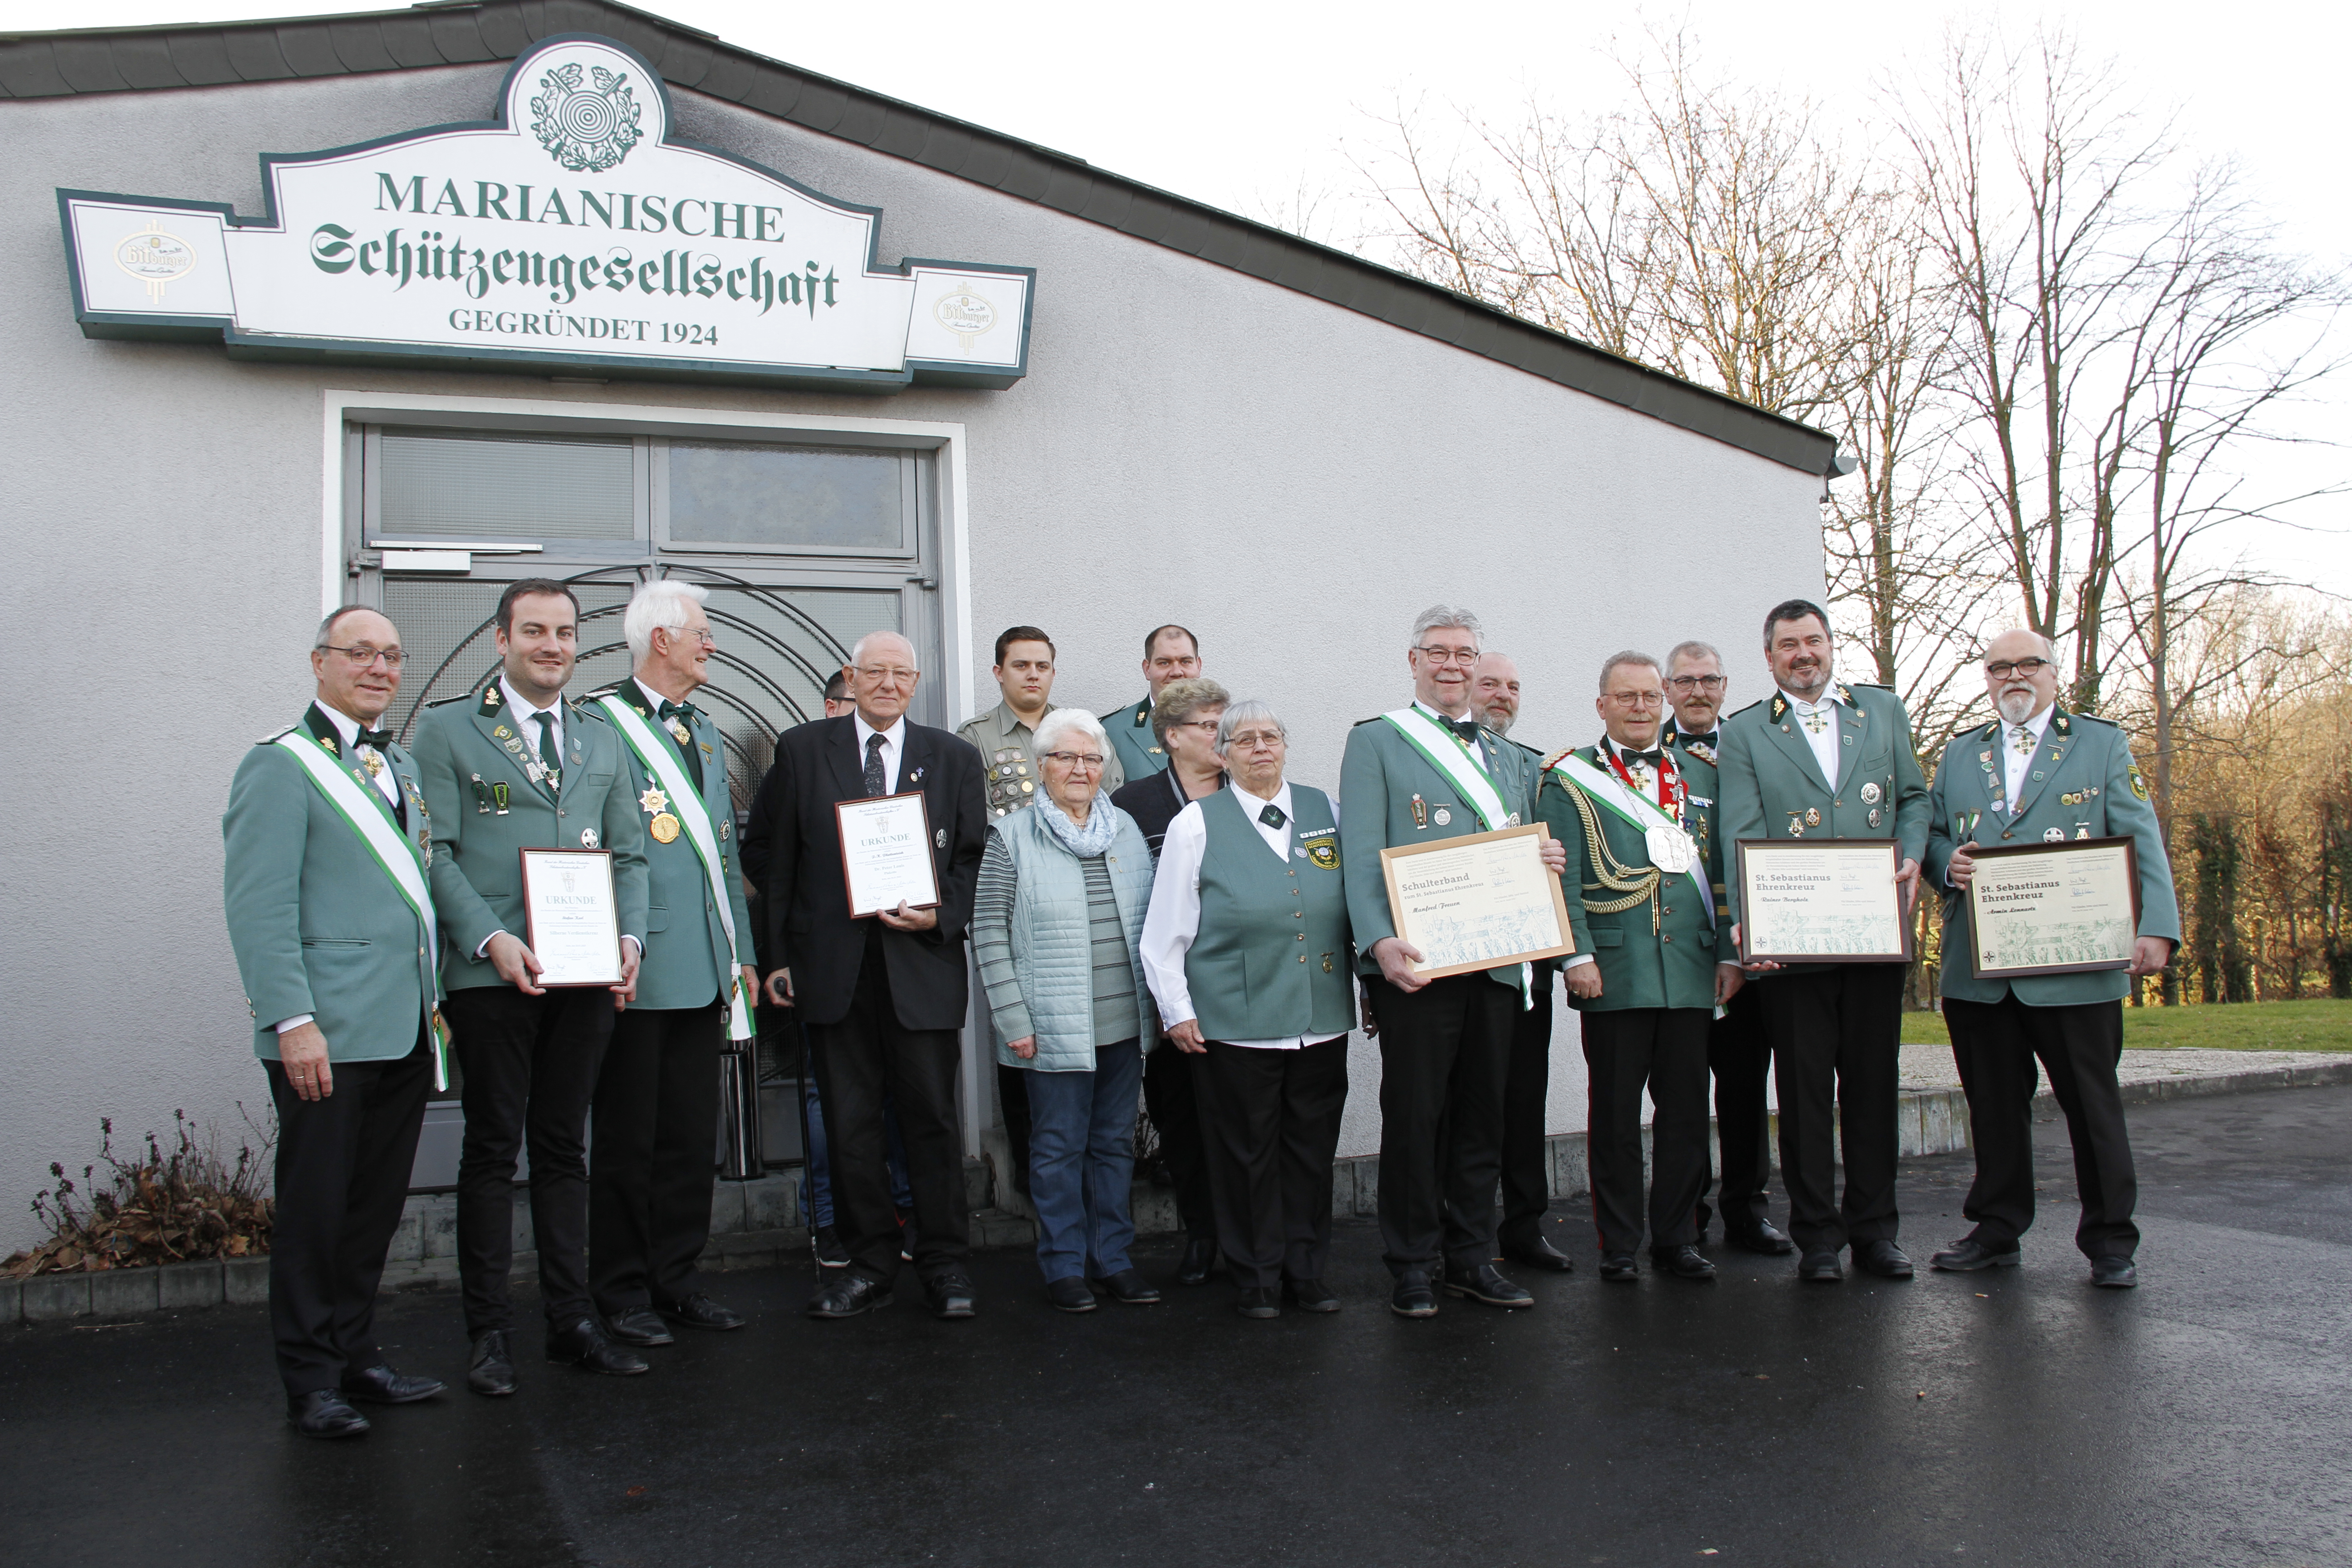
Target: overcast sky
<point>1239,104</point>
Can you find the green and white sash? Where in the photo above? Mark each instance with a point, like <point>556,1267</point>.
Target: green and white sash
<point>662,765</point>
<point>1610,791</point>
<point>1450,755</point>
<point>362,806</point>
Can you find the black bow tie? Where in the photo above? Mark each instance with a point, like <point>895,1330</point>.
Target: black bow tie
<point>1465,728</point>
<point>379,739</point>
<point>669,709</point>
<point>1653,758</point>
<point>1687,739</point>
<point>1272,815</point>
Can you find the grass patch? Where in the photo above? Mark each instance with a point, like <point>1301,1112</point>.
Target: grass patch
<point>2312,1025</point>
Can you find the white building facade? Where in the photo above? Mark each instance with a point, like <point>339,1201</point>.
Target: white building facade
<point>849,363</point>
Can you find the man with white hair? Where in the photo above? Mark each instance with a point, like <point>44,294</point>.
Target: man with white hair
<point>882,996</point>
<point>2039,775</point>
<point>650,1168</point>
<point>1426,772</point>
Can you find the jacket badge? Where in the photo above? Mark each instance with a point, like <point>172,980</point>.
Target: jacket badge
<point>1322,850</point>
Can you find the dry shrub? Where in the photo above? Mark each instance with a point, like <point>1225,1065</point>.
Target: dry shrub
<point>164,1208</point>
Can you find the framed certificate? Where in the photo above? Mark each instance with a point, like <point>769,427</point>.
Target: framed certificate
<point>572,918</point>
<point>2063,907</point>
<point>1479,901</point>
<point>886,854</point>
<point>1825,900</point>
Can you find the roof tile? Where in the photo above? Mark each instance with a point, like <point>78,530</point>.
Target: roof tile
<point>28,69</point>
<point>359,44</point>
<point>309,49</point>
<point>201,57</point>
<point>145,62</point>
<point>88,64</point>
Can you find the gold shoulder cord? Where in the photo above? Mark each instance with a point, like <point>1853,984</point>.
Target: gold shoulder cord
<point>1638,887</point>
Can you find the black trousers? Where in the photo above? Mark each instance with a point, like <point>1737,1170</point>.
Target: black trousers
<point>531,1065</point>
<point>343,1165</point>
<point>1741,1060</point>
<point>865,1055</point>
<point>1995,1044</point>
<point>1527,1085</point>
<point>1175,1104</point>
<point>652,1156</point>
<point>1835,1035</point>
<point>1664,1049</point>
<point>1273,1129</point>
<point>1013,1101</point>
<point>1445,1050</point>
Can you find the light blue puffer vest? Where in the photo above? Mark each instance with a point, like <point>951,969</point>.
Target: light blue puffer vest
<point>1053,943</point>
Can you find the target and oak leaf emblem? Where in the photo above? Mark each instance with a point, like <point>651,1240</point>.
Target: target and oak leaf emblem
<point>585,129</point>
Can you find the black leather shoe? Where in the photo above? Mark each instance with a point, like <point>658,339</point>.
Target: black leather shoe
<point>846,1295</point>
<point>325,1413</point>
<point>700,1311</point>
<point>1619,1267</point>
<point>1882,1258</point>
<point>639,1326</point>
<point>950,1295</point>
<point>1200,1262</point>
<point>1763,1237</point>
<point>825,1243</point>
<point>1258,1301</point>
<point>584,1343</point>
<point>2114,1273</point>
<point>1682,1262</point>
<point>1128,1287</point>
<point>379,1384</point>
<point>1413,1297</point>
<point>1539,1253</point>
<point>1967,1255</point>
<point>1309,1296</point>
<point>1070,1295</point>
<point>1821,1267</point>
<point>1485,1283</point>
<point>491,1372</point>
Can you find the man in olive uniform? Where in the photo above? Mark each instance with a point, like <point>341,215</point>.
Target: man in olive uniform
<point>1652,960</point>
<point>2039,775</point>
<point>1003,735</point>
<point>1170,653</point>
<point>1736,1054</point>
<point>1526,1086</point>
<point>650,1168</point>
<point>326,841</point>
<point>520,767</point>
<point>1824,758</point>
<point>1416,775</point>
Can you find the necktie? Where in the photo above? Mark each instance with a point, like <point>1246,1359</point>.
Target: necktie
<point>874,782</point>
<point>548,753</point>
<point>1272,815</point>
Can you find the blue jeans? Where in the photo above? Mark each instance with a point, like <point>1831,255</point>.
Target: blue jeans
<point>1081,1160</point>
<point>816,1174</point>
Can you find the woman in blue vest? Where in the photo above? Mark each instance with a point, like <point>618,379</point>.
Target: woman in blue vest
<point>1064,887</point>
<point>1248,952</point>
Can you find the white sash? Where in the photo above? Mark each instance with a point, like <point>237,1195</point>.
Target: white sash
<point>362,806</point>
<point>1449,755</point>
<point>1643,814</point>
<point>686,801</point>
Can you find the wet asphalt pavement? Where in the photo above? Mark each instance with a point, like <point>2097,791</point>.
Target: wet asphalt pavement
<point>2014,1417</point>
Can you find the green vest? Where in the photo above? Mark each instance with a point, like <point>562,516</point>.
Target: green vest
<point>1270,961</point>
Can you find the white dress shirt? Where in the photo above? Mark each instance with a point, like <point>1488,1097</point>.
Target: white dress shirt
<point>1175,916</point>
<point>2014,763</point>
<point>526,717</point>
<point>894,747</point>
<point>1825,744</point>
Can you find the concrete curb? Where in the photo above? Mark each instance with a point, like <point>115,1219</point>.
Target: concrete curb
<point>758,1224</point>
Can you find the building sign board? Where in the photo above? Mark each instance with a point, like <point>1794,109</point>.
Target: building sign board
<point>570,231</point>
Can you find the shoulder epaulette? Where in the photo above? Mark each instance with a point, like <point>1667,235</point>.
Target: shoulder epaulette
<point>1873,685</point>
<point>1523,746</point>
<point>1361,722</point>
<point>611,690</point>
<point>1553,760</point>
<point>2094,717</point>
<point>271,737</point>
<point>1729,716</point>
<point>461,697</point>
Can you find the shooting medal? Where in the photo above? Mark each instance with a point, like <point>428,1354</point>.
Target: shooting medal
<point>663,827</point>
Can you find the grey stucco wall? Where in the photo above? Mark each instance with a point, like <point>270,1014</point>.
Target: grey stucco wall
<point>1292,480</point>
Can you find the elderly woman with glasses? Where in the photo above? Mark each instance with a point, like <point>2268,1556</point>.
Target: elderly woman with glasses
<point>1064,888</point>
<point>1248,951</point>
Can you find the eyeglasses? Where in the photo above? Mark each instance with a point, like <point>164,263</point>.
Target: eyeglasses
<point>363,656</point>
<point>1207,726</point>
<point>1689,683</point>
<point>1448,655</point>
<point>2029,668</point>
<point>1250,739</point>
<point>1636,698</point>
<point>701,634</point>
<point>899,673</point>
<point>1078,762</point>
